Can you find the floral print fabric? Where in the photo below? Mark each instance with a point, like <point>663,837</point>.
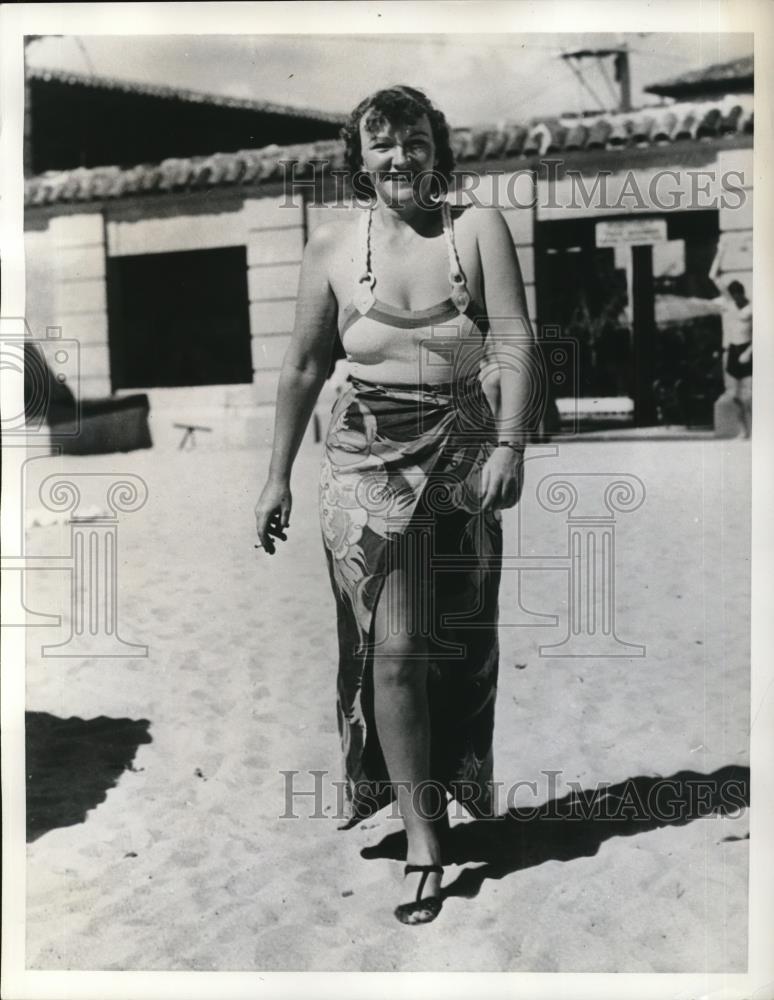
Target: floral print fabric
<point>400,485</point>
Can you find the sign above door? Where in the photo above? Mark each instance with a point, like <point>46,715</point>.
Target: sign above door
<point>630,232</point>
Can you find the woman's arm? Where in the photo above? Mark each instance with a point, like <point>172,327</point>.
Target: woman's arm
<point>512,348</point>
<point>724,299</point>
<point>307,359</point>
<point>715,265</point>
<point>512,341</point>
<point>303,373</point>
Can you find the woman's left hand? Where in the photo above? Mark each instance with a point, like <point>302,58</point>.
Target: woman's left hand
<point>502,478</point>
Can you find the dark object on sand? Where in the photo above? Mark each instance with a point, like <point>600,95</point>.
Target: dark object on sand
<point>190,434</point>
<point>100,426</point>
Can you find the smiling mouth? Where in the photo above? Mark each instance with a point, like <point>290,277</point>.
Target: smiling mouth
<point>397,176</point>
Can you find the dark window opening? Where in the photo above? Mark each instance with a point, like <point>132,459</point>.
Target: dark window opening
<point>179,319</point>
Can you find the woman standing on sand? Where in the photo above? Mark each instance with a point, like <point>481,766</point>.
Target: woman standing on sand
<point>415,471</point>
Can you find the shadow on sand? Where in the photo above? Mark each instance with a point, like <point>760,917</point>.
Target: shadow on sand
<point>72,763</point>
<point>576,825</point>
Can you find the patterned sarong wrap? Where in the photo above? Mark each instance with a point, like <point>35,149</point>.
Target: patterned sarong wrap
<point>400,485</point>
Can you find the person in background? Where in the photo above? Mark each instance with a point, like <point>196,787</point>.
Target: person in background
<point>736,313</point>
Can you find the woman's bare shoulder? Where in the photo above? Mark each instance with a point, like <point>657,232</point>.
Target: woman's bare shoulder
<point>478,220</point>
<point>330,237</point>
<point>331,246</point>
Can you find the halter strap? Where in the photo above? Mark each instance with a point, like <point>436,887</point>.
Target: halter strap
<point>364,298</point>
<point>459,294</point>
<point>365,242</point>
<point>455,268</point>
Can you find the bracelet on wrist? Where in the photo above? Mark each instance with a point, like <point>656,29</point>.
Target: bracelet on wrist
<point>516,445</point>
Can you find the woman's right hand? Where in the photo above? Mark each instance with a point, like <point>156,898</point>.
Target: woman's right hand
<point>272,513</point>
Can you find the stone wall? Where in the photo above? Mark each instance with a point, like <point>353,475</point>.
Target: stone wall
<point>66,296</point>
<point>66,283</point>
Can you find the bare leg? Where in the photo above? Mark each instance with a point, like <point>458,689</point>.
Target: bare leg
<point>744,402</point>
<point>738,392</point>
<point>403,724</point>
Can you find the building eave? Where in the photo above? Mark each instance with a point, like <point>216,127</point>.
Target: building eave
<point>181,94</point>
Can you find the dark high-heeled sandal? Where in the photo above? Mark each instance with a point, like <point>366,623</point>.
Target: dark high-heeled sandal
<point>420,911</point>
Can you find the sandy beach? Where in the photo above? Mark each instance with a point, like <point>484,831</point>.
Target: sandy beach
<point>156,840</point>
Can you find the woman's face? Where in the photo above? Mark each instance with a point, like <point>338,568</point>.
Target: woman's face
<point>399,158</point>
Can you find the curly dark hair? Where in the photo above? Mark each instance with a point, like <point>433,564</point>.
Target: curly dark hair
<point>397,105</point>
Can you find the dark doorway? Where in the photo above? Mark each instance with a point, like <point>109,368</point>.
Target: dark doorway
<point>583,293</point>
<point>583,290</point>
<point>179,319</point>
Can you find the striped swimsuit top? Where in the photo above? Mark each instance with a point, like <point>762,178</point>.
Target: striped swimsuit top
<point>427,341</point>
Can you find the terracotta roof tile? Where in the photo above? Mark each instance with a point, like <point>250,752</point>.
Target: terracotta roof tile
<point>516,136</point>
<point>663,127</point>
<point>599,133</point>
<point>729,123</point>
<point>577,136</point>
<point>537,140</point>
<point>641,128</point>
<point>710,123</point>
<point>496,143</point>
<point>557,136</point>
<point>686,127</point>
<point>620,132</point>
